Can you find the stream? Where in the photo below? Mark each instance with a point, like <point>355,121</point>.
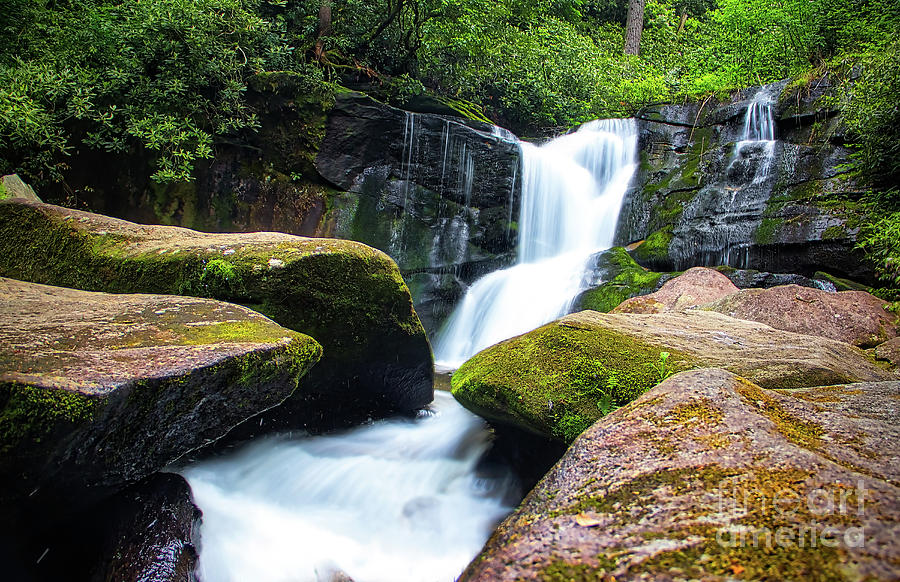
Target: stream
<point>395,500</point>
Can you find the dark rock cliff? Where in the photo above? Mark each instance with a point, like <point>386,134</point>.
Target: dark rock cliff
<point>437,193</point>
<point>700,199</point>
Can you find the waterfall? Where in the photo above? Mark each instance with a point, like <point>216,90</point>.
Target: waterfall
<point>394,500</point>
<point>756,147</point>
<point>719,226</point>
<point>572,190</point>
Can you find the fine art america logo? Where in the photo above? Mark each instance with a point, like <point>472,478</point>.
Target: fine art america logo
<point>806,517</point>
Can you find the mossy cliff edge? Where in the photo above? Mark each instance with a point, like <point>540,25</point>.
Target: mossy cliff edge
<point>348,296</point>
<point>560,378</point>
<point>100,390</point>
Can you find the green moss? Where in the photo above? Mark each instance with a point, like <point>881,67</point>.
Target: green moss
<point>624,279</point>
<point>32,415</point>
<point>561,571</point>
<point>841,284</point>
<point>766,231</point>
<point>557,379</point>
<point>465,109</point>
<point>219,278</point>
<point>655,248</point>
<point>701,410</point>
<point>4,195</point>
<point>835,232</point>
<point>803,433</point>
<point>627,503</point>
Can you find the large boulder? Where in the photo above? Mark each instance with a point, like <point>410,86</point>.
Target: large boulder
<point>710,477</point>
<point>853,317</point>
<point>560,378</point>
<point>348,296</point>
<point>101,390</point>
<point>695,287</point>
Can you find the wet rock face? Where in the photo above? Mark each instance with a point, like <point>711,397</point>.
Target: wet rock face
<point>703,197</point>
<point>101,390</point>
<point>437,193</point>
<point>350,297</point>
<point>709,476</point>
<point>147,532</point>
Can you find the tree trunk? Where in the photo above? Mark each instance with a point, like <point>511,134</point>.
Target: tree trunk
<point>681,24</point>
<point>324,30</point>
<point>633,26</point>
<point>324,19</point>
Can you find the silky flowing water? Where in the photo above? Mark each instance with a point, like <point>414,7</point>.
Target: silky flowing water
<point>396,500</point>
<point>572,191</point>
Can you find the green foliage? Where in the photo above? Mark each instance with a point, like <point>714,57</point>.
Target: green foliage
<point>168,76</point>
<point>662,367</point>
<point>881,243</point>
<point>873,121</point>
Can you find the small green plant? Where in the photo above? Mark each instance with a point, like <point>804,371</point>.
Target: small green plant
<point>606,404</point>
<point>661,367</point>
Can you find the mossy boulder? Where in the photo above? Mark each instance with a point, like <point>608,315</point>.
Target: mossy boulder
<point>622,278</point>
<point>100,390</point>
<point>710,477</point>
<point>348,296</point>
<point>560,378</point>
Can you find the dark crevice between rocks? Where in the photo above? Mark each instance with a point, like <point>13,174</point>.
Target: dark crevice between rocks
<point>147,532</point>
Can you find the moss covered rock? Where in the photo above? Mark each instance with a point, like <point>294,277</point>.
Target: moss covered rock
<point>622,279</point>
<point>560,378</point>
<point>348,296</point>
<point>99,390</point>
<point>710,477</point>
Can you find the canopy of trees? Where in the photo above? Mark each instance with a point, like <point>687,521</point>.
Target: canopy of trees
<point>170,76</point>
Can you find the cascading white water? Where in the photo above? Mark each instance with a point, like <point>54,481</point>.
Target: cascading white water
<point>757,141</point>
<point>572,190</point>
<point>396,500</point>
<point>759,121</point>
